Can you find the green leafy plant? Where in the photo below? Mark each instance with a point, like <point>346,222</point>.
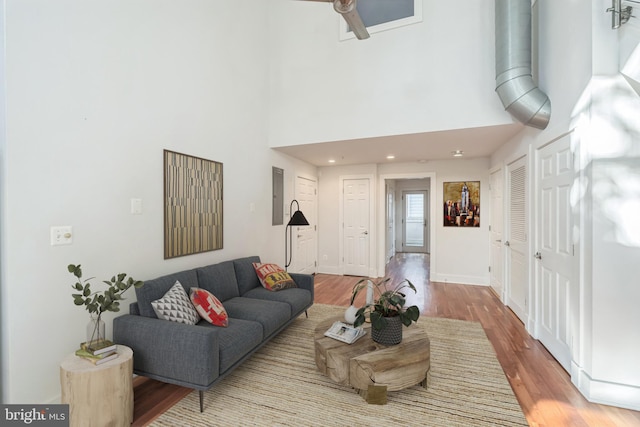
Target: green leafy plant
<point>390,302</point>
<point>100,301</point>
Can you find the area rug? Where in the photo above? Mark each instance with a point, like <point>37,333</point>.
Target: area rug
<point>281,386</point>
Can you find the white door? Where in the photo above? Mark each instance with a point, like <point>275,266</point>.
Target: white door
<point>496,234</point>
<point>305,259</point>
<point>356,226</point>
<point>554,245</point>
<point>391,223</point>
<point>414,221</point>
<point>517,284</point>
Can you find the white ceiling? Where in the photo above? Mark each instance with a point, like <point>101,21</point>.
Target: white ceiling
<point>474,142</point>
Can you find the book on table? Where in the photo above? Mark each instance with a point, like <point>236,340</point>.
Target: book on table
<point>96,359</point>
<point>345,332</point>
<point>100,346</point>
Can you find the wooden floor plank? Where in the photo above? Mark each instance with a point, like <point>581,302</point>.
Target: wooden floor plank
<point>543,389</point>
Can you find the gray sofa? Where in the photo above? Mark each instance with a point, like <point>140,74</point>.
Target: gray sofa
<point>198,356</point>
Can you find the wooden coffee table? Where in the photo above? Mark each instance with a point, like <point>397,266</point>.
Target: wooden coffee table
<point>372,368</point>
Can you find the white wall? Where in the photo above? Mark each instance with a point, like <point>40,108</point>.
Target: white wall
<point>95,91</point>
<point>435,75</point>
<point>609,138</point>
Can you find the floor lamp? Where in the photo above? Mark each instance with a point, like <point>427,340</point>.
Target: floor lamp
<point>297,218</point>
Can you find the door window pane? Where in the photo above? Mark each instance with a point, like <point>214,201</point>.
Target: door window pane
<point>414,219</point>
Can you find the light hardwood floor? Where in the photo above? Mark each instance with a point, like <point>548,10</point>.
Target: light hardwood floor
<point>543,388</point>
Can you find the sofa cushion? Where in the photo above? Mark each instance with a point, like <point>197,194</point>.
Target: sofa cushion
<point>219,279</point>
<point>246,274</point>
<point>236,341</point>
<point>298,299</point>
<point>156,288</point>
<point>176,306</point>
<point>209,307</point>
<point>273,277</point>
<point>270,314</point>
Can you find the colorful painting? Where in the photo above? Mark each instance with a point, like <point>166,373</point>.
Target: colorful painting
<point>461,203</point>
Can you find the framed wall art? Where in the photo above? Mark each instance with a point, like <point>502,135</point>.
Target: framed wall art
<point>192,205</point>
<point>461,203</point>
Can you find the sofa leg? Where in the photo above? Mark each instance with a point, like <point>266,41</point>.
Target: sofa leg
<point>201,401</point>
<point>306,314</point>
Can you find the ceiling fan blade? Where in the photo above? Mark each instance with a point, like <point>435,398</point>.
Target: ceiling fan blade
<point>347,8</point>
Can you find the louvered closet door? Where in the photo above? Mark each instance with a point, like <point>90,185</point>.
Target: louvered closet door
<point>516,243</point>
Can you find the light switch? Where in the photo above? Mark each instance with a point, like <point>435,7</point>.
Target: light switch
<point>136,206</point>
<point>61,235</point>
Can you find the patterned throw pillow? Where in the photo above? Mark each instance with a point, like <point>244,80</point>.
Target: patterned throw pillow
<point>273,277</point>
<point>176,306</point>
<point>209,307</point>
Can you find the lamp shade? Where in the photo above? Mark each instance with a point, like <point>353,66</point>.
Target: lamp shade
<point>298,219</point>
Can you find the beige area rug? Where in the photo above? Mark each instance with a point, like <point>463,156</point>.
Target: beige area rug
<point>281,386</point>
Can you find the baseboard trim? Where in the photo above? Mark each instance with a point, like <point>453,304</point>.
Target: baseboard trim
<point>606,393</point>
<point>462,280</point>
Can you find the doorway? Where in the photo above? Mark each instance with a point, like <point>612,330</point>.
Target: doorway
<point>554,245</point>
<point>306,240</point>
<point>516,245</point>
<point>356,226</point>
<point>414,221</point>
<point>422,181</point>
<point>495,230</point>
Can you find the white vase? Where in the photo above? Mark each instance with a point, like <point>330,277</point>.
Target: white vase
<point>350,314</point>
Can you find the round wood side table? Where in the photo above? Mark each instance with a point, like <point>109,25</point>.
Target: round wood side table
<point>98,395</point>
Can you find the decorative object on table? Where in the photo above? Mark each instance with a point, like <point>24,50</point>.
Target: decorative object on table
<point>192,205</point>
<point>96,359</point>
<point>297,219</point>
<point>99,347</point>
<point>352,311</point>
<point>387,312</point>
<point>98,302</point>
<point>350,314</point>
<point>461,204</point>
<point>344,332</point>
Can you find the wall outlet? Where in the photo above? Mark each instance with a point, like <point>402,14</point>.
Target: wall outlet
<point>61,235</point>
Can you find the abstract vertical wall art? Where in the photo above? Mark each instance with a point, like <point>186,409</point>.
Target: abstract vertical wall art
<point>461,203</point>
<point>192,205</point>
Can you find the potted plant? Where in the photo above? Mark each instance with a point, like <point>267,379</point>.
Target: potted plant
<point>387,312</point>
<point>98,302</point>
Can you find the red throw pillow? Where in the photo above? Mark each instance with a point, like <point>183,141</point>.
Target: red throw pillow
<point>273,277</point>
<point>209,307</point>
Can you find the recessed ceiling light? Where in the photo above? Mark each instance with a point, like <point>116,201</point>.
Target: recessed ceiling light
<point>391,157</point>
<point>332,161</point>
<point>457,153</point>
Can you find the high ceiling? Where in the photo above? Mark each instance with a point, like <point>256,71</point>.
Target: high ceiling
<point>474,142</point>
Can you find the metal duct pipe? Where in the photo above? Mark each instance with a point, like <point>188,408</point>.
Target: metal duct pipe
<point>514,83</point>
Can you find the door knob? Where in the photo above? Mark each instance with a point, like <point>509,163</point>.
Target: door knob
<point>538,255</point>
<point>365,232</point>
<point>507,243</point>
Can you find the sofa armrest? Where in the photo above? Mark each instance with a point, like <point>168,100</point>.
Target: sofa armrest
<point>304,281</point>
<point>170,351</point>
